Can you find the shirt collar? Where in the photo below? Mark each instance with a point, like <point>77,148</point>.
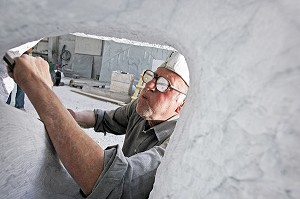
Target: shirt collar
<point>165,129</point>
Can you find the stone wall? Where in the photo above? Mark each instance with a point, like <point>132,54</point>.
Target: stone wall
<point>128,58</point>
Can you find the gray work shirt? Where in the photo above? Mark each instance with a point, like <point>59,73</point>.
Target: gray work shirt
<point>130,172</point>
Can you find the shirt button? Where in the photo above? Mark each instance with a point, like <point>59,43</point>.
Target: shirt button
<point>135,150</point>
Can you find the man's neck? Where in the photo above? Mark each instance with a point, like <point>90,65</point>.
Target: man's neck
<point>152,123</point>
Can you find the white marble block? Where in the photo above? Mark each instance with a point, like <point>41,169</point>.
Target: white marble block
<point>121,82</point>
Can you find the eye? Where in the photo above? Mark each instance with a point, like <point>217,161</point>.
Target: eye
<point>148,76</point>
<point>162,84</point>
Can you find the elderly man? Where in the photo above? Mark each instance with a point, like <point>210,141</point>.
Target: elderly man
<point>147,124</point>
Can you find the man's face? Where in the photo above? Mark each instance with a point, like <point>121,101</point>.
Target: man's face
<point>158,106</point>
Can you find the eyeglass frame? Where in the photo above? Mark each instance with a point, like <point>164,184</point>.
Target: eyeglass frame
<point>156,77</point>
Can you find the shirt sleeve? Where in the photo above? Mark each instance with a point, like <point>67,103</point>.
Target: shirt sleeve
<point>114,121</point>
<point>128,177</point>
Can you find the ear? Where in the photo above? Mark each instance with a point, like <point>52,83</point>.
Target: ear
<point>178,109</point>
<point>180,100</point>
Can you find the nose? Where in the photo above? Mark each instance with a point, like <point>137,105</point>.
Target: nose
<point>151,85</point>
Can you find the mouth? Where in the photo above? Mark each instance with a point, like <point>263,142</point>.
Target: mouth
<point>143,96</point>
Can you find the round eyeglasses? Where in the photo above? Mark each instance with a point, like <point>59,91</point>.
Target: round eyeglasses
<point>161,83</point>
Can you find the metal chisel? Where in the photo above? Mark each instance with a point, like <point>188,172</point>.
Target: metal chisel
<point>17,52</point>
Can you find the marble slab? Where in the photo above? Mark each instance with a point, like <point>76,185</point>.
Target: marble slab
<point>29,165</point>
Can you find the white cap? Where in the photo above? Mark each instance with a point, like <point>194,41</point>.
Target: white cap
<point>176,63</point>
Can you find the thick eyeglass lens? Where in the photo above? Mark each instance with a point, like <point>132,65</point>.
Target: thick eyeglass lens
<point>162,84</point>
<point>148,76</point>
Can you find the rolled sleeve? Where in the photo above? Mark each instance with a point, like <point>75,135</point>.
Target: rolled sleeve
<point>110,183</point>
<point>128,177</point>
<point>114,121</point>
<point>99,115</point>
<point>141,172</point>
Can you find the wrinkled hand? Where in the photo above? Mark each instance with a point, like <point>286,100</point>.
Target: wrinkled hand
<point>30,70</point>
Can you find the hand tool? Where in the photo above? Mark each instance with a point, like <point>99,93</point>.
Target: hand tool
<point>17,52</point>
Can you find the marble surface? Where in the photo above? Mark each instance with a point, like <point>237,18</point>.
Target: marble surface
<point>29,165</point>
<point>238,136</point>
<point>242,138</point>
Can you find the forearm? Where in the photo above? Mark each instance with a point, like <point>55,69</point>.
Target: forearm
<point>82,157</point>
<point>85,119</point>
